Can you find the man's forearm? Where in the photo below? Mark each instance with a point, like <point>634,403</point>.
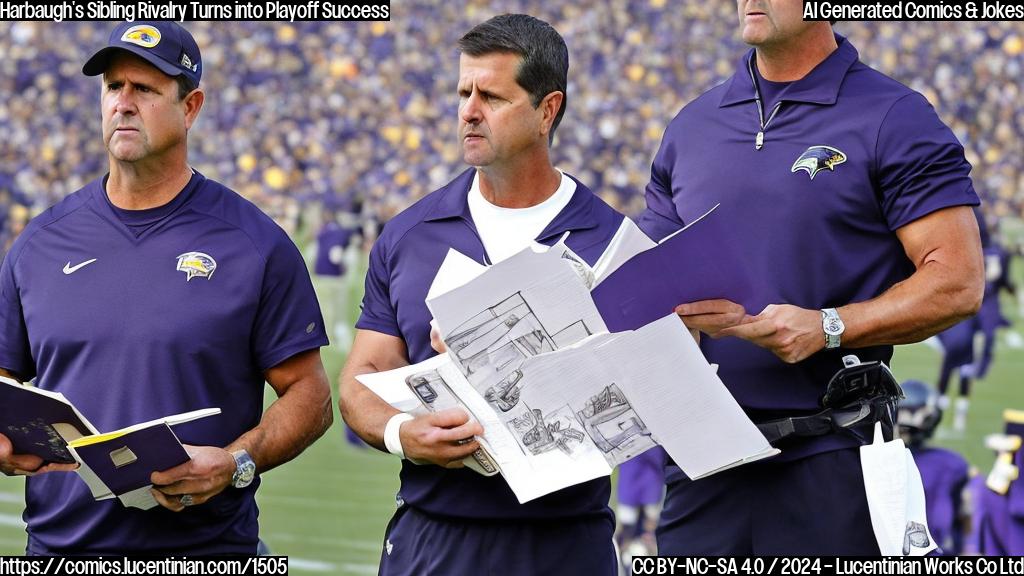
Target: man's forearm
<point>293,422</point>
<point>931,300</point>
<point>7,374</point>
<point>364,411</point>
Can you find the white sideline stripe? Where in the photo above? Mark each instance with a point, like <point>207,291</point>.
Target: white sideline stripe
<point>367,545</point>
<point>360,568</point>
<point>12,520</point>
<point>307,565</point>
<point>317,503</point>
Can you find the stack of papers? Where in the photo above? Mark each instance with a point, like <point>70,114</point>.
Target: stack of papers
<point>561,399</point>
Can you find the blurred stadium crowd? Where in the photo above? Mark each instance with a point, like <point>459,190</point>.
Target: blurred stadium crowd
<point>361,116</point>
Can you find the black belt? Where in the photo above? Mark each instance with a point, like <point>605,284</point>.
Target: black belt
<point>831,420</point>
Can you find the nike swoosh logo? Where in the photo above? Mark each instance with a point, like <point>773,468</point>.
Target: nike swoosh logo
<point>69,269</point>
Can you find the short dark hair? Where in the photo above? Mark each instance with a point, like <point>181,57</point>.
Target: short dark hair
<point>545,65</point>
<point>185,86</point>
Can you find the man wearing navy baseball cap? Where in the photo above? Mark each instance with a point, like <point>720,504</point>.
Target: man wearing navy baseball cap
<point>163,44</point>
<point>155,291</point>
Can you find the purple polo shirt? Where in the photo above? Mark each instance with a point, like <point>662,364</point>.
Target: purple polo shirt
<point>998,519</point>
<point>642,479</point>
<point>141,333</point>
<point>850,157</point>
<point>958,343</point>
<point>990,316</point>
<point>944,474</point>
<point>403,263</point>
<point>332,235</point>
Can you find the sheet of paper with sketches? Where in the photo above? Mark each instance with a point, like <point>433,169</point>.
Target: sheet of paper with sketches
<point>391,386</point>
<point>559,398</point>
<point>895,494</point>
<point>572,415</point>
<point>423,388</point>
<point>681,399</point>
<point>528,304</point>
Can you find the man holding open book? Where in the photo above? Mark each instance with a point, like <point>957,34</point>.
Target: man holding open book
<point>154,291</point>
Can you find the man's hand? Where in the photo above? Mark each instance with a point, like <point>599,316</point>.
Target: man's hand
<point>443,438</point>
<point>207,474</point>
<point>790,332</point>
<point>711,316</point>
<point>12,464</point>
<point>435,338</point>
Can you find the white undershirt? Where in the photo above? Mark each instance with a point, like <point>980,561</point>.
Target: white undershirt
<point>506,231</point>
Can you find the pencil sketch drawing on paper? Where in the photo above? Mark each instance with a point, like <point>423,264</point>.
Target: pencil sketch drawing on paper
<point>432,390</point>
<point>612,423</point>
<point>506,333</point>
<point>505,394</point>
<point>539,433</point>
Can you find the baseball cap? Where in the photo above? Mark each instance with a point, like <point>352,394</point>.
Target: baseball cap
<point>164,44</point>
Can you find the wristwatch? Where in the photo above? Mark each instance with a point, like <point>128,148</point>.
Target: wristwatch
<point>245,469</point>
<point>833,326</point>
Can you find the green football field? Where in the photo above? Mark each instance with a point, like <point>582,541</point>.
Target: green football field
<point>327,509</point>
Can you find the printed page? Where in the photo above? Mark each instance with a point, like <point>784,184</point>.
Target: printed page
<point>545,417</point>
<point>433,385</point>
<point>139,498</point>
<point>526,305</point>
<point>680,398</point>
<point>391,385</point>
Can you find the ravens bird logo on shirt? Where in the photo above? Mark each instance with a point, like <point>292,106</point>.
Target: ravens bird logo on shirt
<point>196,264</point>
<point>818,158</point>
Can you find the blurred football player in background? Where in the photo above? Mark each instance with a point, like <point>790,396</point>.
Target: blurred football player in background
<point>944,473</point>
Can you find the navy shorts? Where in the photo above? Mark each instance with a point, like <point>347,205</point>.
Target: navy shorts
<point>809,507</point>
<point>416,543</point>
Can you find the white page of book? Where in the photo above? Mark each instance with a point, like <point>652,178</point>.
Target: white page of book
<point>681,399</point>
<point>139,498</point>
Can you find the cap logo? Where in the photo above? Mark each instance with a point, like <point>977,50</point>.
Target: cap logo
<point>196,264</point>
<point>818,158</point>
<point>143,35</point>
<point>186,62</point>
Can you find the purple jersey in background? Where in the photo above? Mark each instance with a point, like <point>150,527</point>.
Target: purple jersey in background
<point>330,246</point>
<point>642,479</point>
<point>944,474</point>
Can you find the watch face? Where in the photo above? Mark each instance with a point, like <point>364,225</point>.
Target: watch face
<point>834,326</point>
<point>245,471</point>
